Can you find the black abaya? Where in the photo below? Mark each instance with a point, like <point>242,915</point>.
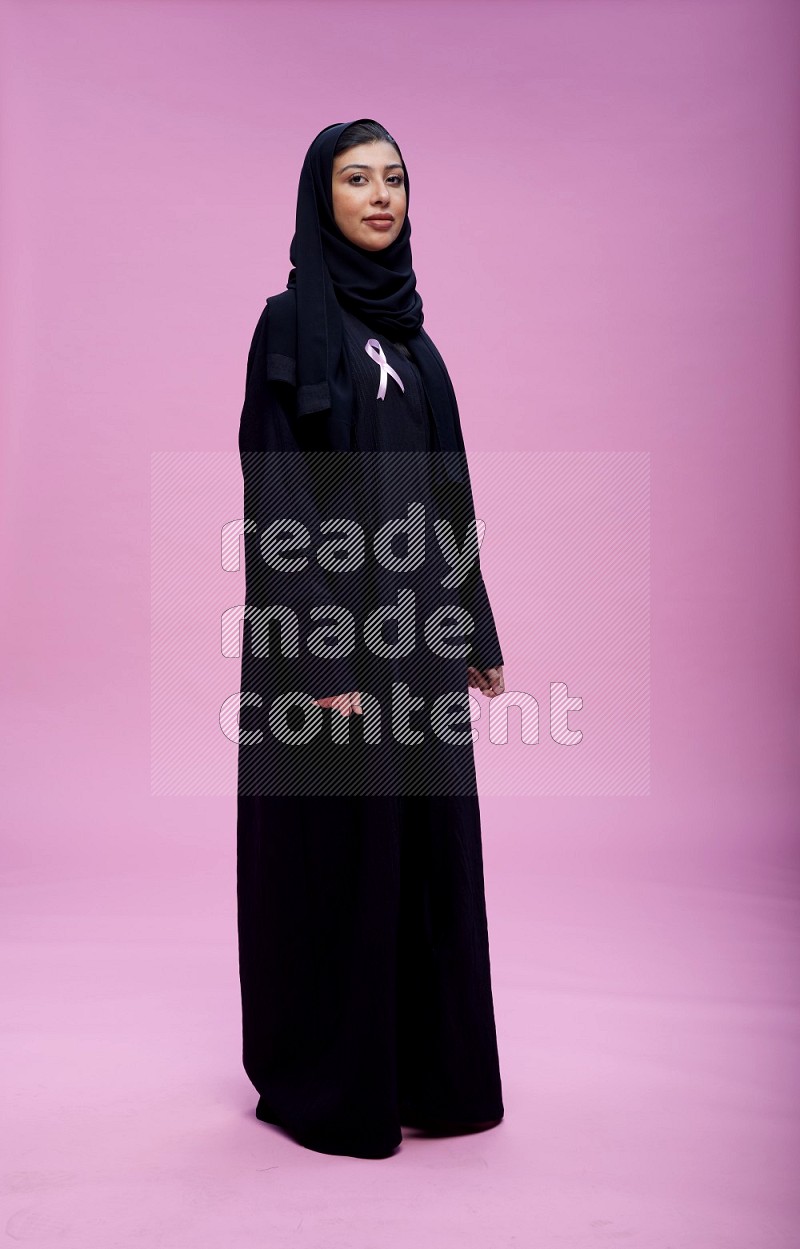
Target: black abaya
<point>363,944</point>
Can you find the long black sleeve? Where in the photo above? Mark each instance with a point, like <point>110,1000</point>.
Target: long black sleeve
<point>456,504</point>
<point>486,652</point>
<point>280,483</point>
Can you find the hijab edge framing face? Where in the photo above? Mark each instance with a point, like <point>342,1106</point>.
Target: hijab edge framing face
<point>329,272</point>
<point>377,285</point>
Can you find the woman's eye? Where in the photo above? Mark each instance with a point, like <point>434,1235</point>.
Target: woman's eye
<point>396,178</point>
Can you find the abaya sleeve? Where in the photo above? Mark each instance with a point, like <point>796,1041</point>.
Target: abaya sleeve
<point>283,513</point>
<point>456,504</point>
<point>486,652</point>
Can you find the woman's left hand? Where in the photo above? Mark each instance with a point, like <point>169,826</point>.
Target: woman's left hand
<point>346,704</point>
<point>490,680</point>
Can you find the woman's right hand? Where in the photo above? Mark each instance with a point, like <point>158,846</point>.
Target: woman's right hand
<point>490,680</point>
<point>346,704</point>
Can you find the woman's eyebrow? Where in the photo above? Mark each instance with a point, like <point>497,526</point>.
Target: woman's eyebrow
<point>394,166</point>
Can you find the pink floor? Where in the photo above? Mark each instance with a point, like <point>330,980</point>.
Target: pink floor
<point>648,1031</point>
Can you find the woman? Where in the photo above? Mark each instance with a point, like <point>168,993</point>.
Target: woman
<point>363,945</point>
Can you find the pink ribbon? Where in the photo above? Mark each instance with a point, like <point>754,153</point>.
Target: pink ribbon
<point>376,353</point>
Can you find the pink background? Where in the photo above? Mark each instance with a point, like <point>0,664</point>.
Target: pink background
<point>607,195</point>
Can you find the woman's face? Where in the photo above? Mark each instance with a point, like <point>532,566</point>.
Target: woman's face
<point>369,194</point>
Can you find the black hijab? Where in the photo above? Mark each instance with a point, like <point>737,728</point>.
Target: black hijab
<point>306,340</point>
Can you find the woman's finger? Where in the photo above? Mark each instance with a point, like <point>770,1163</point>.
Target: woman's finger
<point>495,678</point>
<point>476,679</point>
<point>342,702</point>
<point>490,680</point>
<point>347,704</point>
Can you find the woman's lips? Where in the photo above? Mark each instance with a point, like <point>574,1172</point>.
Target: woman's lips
<point>379,223</point>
